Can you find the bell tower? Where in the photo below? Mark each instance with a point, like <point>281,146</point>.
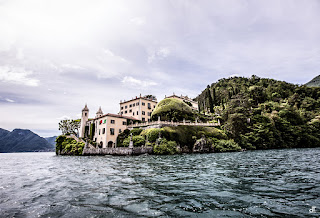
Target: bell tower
<point>84,119</point>
<point>99,113</point>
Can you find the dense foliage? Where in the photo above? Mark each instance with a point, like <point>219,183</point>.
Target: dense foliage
<point>165,147</point>
<point>263,113</point>
<point>172,109</point>
<point>163,140</point>
<point>69,146</point>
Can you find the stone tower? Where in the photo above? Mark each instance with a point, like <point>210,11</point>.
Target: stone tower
<point>99,113</point>
<point>84,119</point>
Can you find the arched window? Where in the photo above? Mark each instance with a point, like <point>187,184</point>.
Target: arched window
<point>110,144</point>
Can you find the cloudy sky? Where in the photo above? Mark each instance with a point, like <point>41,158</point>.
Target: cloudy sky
<point>57,55</point>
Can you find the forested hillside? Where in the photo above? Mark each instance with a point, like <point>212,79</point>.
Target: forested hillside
<point>261,113</point>
<point>22,140</point>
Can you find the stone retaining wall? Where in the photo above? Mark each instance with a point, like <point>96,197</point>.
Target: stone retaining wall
<point>120,151</point>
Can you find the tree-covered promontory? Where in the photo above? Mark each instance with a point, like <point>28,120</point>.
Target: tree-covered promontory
<point>260,113</point>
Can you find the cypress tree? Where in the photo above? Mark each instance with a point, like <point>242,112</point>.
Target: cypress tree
<point>210,99</point>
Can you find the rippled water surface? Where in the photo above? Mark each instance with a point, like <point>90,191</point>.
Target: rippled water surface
<point>283,183</point>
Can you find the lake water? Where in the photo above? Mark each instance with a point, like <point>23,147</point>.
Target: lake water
<point>283,183</point>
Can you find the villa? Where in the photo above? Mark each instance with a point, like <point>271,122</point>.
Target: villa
<point>105,128</point>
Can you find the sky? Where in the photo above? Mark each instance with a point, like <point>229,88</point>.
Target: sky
<point>58,55</point>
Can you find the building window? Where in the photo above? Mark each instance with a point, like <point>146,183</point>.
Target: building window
<point>113,121</point>
<point>149,120</point>
<point>125,112</point>
<point>154,106</point>
<point>143,119</point>
<point>120,131</point>
<point>130,111</point>
<point>149,106</point>
<point>124,123</point>
<point>121,112</point>
<point>103,131</point>
<point>99,131</point>
<point>149,113</point>
<point>137,103</point>
<point>121,108</point>
<point>143,104</point>
<point>126,107</point>
<point>134,104</point>
<point>85,114</point>
<point>143,113</point>
<point>130,105</point>
<point>137,112</point>
<point>133,114</point>
<point>111,131</point>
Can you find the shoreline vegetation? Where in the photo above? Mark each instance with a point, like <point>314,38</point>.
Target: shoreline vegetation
<point>255,113</point>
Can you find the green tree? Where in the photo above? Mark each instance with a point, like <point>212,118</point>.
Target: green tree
<point>69,126</point>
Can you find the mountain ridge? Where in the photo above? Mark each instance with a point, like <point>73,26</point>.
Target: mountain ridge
<point>22,140</point>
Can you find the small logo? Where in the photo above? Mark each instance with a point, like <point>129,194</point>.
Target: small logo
<point>313,209</point>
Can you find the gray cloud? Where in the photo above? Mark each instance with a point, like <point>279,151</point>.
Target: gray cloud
<point>57,56</point>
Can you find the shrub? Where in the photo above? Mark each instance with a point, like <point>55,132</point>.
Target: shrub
<point>165,147</point>
<point>59,140</point>
<point>69,145</point>
<point>126,142</point>
<point>152,134</point>
<point>187,135</point>
<point>136,131</point>
<point>226,145</point>
<point>121,137</point>
<point>138,140</point>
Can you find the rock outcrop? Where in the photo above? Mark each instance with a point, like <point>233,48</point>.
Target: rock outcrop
<point>202,145</point>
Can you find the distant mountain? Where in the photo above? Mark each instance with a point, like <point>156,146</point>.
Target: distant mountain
<point>315,82</point>
<point>22,140</point>
<point>52,140</point>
